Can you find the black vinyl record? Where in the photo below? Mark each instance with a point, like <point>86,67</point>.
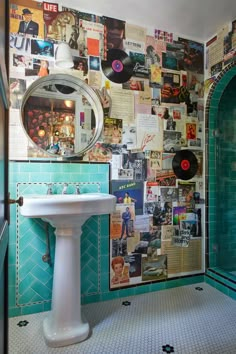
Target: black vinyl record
<point>185,164</point>
<point>118,67</point>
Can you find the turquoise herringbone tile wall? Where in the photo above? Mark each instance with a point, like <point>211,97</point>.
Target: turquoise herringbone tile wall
<point>30,278</point>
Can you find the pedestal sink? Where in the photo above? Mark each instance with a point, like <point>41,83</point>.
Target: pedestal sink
<point>66,213</point>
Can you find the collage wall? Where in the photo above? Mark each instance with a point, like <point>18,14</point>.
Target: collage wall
<point>150,83</point>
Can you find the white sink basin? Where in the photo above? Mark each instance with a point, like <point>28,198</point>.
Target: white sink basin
<point>67,213</point>
<point>52,207</point>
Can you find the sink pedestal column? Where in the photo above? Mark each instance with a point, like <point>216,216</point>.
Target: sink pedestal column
<point>64,325</point>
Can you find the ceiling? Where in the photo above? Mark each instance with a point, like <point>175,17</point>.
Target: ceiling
<point>195,19</point>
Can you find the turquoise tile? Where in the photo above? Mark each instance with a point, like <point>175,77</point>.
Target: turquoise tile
<point>42,290</point>
<point>35,308</point>
<point>90,299</point>
<point>39,177</point>
<point>96,177</point>
<point>157,286</point>
<point>14,312</point>
<point>11,275</point>
<point>232,294</point>
<point>222,288</point>
<point>89,169</point>
<point>47,305</point>
<point>109,296</point>
<point>12,296</point>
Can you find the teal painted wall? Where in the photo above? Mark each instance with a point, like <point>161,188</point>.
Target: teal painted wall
<point>30,279</point>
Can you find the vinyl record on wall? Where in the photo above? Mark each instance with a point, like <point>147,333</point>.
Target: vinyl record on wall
<point>118,67</point>
<point>185,164</point>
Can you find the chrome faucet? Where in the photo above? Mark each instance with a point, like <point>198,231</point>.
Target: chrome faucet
<point>49,190</point>
<point>77,189</point>
<point>64,190</point>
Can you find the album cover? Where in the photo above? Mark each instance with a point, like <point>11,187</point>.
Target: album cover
<point>129,192</point>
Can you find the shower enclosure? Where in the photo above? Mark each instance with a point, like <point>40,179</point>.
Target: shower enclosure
<point>222,161</point>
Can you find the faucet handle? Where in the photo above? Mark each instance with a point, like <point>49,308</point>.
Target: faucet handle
<point>49,190</point>
<point>77,189</point>
<point>64,189</point>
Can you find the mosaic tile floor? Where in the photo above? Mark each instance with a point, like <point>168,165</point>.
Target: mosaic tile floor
<point>191,319</point>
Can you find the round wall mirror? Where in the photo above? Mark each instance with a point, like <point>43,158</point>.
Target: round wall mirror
<point>62,115</point>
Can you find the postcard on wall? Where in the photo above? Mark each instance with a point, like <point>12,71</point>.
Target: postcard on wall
<point>179,214</point>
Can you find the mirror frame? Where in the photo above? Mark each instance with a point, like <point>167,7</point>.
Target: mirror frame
<point>82,88</point>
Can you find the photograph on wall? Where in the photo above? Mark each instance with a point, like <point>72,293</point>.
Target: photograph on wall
<point>42,48</point>
<point>112,131</point>
<point>138,61</point>
<point>174,56</point>
<point>114,33</point>
<point>26,21</point>
<point>193,55</point>
<point>137,162</point>
<point>162,214</point>
<point>17,89</point>
<point>171,87</point>
<point>166,178</point>
<point>154,269</point>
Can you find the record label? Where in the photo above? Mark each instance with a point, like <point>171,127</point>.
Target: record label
<point>185,164</point>
<point>118,67</point>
